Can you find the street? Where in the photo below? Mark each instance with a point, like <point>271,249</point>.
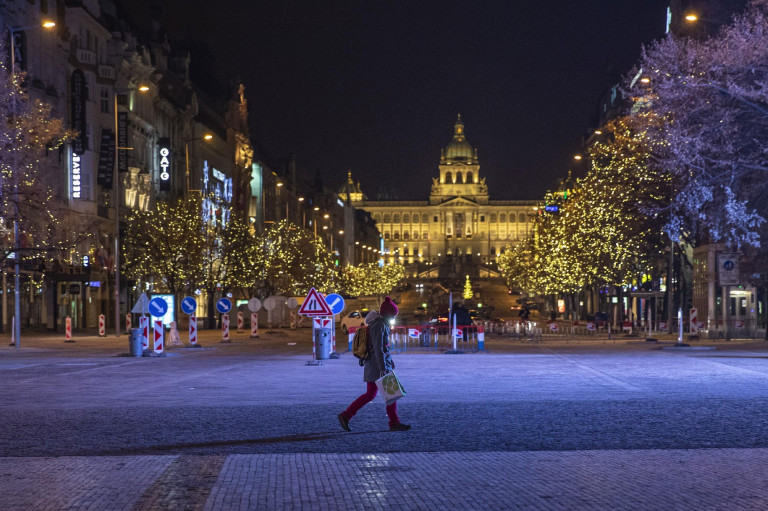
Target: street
<point>243,419</point>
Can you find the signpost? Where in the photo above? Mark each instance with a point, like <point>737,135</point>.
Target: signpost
<point>336,303</point>
<point>142,307</point>
<point>254,304</point>
<point>315,305</point>
<point>102,326</point>
<point>189,306</point>
<point>157,307</point>
<point>159,331</point>
<point>223,305</point>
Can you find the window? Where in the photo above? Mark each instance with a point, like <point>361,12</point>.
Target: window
<point>459,179</point>
<point>482,218</point>
<point>104,100</point>
<point>435,220</point>
<point>424,235</point>
<point>387,218</point>
<point>415,249</point>
<point>406,218</point>
<point>397,235</point>
<point>493,217</point>
<point>44,6</point>
<point>448,177</point>
<point>396,218</point>
<point>386,235</point>
<point>493,250</point>
<point>512,217</point>
<point>405,251</point>
<point>406,235</point>
<point>377,218</point>
<point>470,178</point>
<point>415,218</point>
<point>521,217</point>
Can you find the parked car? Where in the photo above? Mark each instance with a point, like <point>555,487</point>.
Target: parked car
<point>353,319</point>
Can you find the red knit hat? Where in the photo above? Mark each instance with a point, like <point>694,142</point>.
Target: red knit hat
<point>388,307</point>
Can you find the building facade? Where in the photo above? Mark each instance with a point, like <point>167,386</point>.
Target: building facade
<point>459,230</point>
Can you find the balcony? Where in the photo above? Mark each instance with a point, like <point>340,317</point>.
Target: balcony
<point>86,57</point>
<point>106,72</point>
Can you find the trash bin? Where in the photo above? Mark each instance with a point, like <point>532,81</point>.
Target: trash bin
<point>136,342</point>
<point>323,343</point>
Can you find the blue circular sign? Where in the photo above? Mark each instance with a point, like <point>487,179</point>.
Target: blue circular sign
<point>223,305</point>
<point>189,305</point>
<point>335,302</point>
<point>158,307</point>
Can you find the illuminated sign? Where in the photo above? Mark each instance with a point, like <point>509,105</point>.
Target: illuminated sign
<point>165,164</point>
<point>76,184</point>
<point>552,209</point>
<point>79,95</point>
<point>219,174</point>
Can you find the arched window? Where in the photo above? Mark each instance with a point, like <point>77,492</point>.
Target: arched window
<point>386,235</point>
<point>521,218</point>
<point>415,249</point>
<point>396,218</point>
<point>493,217</point>
<point>512,217</point>
<point>405,251</point>
<point>406,218</point>
<point>502,217</point>
<point>459,178</point>
<point>397,235</point>
<point>406,235</point>
<point>470,178</point>
<point>425,235</point>
<point>387,218</point>
<point>448,177</point>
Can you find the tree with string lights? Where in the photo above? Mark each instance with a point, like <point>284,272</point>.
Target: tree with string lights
<point>369,279</point>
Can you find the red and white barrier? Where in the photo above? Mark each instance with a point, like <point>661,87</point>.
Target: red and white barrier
<point>351,334</point>
<point>159,332</point>
<point>128,322</point>
<point>68,329</point>
<point>694,322</point>
<point>192,330</point>
<point>481,338</point>
<point>102,326</point>
<point>240,322</point>
<point>144,326</point>
<point>225,328</point>
<point>254,325</point>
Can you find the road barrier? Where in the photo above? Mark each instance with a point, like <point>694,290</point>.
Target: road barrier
<point>436,338</point>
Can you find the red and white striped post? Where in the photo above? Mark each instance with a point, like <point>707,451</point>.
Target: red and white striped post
<point>128,322</point>
<point>225,328</point>
<point>102,326</point>
<point>254,325</point>
<point>68,330</point>
<point>240,322</point>
<point>144,326</point>
<point>192,330</point>
<point>694,322</point>
<point>351,334</point>
<point>481,338</point>
<point>159,331</point>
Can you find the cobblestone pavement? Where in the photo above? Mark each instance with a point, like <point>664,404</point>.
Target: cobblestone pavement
<point>250,426</point>
<point>575,480</point>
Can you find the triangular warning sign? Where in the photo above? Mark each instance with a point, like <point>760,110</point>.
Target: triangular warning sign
<point>142,306</point>
<point>315,305</point>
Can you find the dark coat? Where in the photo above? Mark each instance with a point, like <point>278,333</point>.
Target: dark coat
<point>381,358</point>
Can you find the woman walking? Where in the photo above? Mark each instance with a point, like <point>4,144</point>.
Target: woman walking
<point>378,364</point>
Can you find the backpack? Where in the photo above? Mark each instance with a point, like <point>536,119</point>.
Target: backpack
<point>361,345</point>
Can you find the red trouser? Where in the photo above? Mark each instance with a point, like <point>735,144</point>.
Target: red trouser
<point>366,398</point>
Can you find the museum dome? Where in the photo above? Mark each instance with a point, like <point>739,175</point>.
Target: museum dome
<point>459,150</point>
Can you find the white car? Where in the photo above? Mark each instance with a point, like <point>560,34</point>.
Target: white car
<point>352,319</point>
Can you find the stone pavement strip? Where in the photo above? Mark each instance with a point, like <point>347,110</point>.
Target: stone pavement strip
<point>703,479</point>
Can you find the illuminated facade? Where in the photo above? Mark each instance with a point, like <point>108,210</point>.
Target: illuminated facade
<point>459,230</point>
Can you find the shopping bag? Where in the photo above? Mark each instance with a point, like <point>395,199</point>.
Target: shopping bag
<point>390,388</point>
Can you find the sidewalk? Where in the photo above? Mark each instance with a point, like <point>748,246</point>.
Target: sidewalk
<point>577,480</point>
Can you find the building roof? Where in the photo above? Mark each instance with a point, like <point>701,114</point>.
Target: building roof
<point>459,150</point>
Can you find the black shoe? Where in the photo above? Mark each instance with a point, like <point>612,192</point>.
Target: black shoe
<point>399,427</point>
<point>344,422</point>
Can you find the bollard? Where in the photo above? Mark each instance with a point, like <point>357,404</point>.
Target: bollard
<point>134,344</point>
<point>254,325</point>
<point>159,332</point>
<point>240,322</point>
<point>68,330</point>
<point>225,328</point>
<point>144,326</point>
<point>481,338</point>
<point>351,335</point>
<point>192,330</point>
<point>128,322</point>
<point>102,326</point>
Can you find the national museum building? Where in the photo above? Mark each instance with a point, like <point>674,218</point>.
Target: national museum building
<point>459,230</point>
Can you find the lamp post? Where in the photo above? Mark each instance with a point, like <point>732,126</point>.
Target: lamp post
<point>116,191</point>
<point>17,298</point>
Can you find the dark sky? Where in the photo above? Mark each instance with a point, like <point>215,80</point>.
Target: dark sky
<point>374,86</point>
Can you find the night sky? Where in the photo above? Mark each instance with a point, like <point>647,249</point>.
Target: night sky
<point>374,86</point>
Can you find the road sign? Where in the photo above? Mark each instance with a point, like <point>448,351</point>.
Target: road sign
<point>158,307</point>
<point>457,332</point>
<point>335,302</point>
<point>270,303</point>
<point>223,305</point>
<point>413,333</point>
<point>322,322</point>
<point>142,306</point>
<point>315,305</point>
<point>188,305</point>
<point>192,330</point>
<point>159,331</point>
<point>292,303</point>
<point>728,269</point>
<point>144,325</point>
<point>254,304</point>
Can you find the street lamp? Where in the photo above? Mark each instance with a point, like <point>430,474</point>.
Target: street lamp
<point>116,188</point>
<point>17,298</point>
